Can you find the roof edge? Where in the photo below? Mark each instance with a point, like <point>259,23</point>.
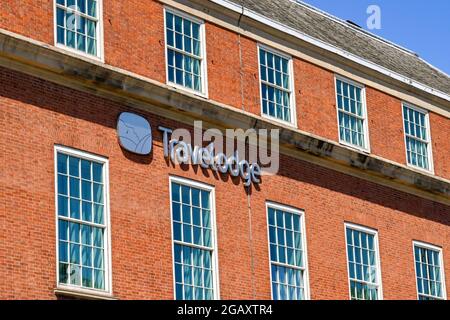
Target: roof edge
<point>330,48</point>
<point>434,67</point>
<point>368,33</point>
<point>360,30</point>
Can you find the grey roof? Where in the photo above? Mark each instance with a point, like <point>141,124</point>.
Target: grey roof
<point>340,34</point>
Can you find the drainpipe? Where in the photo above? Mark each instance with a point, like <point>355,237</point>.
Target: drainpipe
<point>249,206</point>
<point>241,66</point>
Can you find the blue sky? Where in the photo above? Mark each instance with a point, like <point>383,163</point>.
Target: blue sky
<point>422,26</point>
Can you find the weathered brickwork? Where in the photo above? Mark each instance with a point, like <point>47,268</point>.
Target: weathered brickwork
<point>36,114</point>
<point>134,41</point>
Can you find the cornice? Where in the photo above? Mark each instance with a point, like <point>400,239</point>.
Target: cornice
<point>56,65</point>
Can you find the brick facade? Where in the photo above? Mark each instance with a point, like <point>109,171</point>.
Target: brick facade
<point>230,80</point>
<point>141,238</point>
<point>36,115</point>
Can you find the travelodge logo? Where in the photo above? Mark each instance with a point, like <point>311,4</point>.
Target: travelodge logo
<point>135,133</point>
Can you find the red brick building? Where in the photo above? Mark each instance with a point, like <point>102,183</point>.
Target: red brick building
<point>360,206</point>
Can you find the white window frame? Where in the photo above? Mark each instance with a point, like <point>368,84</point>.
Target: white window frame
<point>301,214</point>
<point>364,109</point>
<point>204,61</point>
<point>100,35</point>
<point>429,142</point>
<point>292,100</point>
<point>373,232</point>
<point>77,290</point>
<point>214,259</point>
<point>428,246</point>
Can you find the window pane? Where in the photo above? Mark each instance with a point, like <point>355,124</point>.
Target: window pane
<point>77,26</point>
<point>81,26</point>
<point>86,169</point>
<point>98,258</point>
<point>176,211</point>
<point>86,235</point>
<point>198,236</point>
<point>62,163</point>
<point>62,184</point>
<point>287,283</point>
<point>81,5</point>
<point>98,237</point>
<point>86,211</point>
<point>92,8</point>
<point>97,170</point>
<point>98,193</point>
<point>74,188</point>
<point>177,234</point>
<point>63,206</point>
<point>193,274</point>
<point>86,256</point>
<point>186,213</point>
<point>74,164</point>
<point>92,46</point>
<point>275,86</point>
<point>196,31</point>
<point>416,138</point>
<point>428,273</point>
<point>360,254</point>
<point>74,253</point>
<point>99,214</point>
<point>75,275</point>
<point>350,116</point>
<point>87,277</point>
<point>63,273</point>
<point>63,251</point>
<point>197,217</point>
<point>60,17</point>
<point>185,46</point>
<point>86,190</point>
<point>285,248</point>
<point>99,279</point>
<point>74,208</point>
<point>76,240</point>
